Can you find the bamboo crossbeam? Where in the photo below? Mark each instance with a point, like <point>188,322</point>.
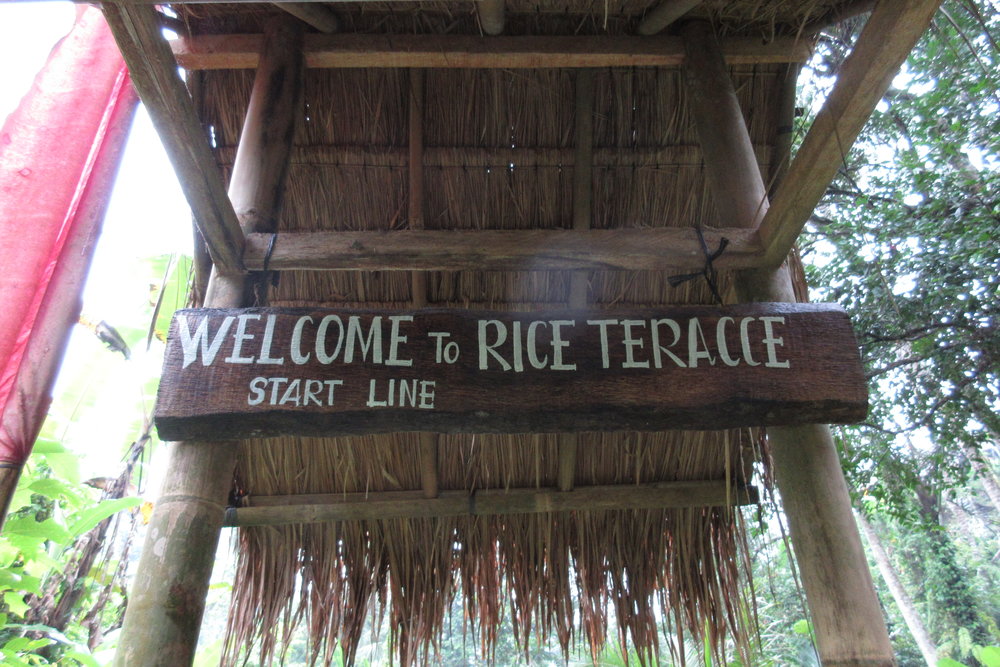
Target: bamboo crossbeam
<point>887,38</point>
<point>491,250</point>
<point>467,51</point>
<point>281,510</point>
<point>154,72</point>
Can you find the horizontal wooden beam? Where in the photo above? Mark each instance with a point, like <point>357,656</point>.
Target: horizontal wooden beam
<point>887,38</point>
<point>154,73</point>
<point>527,250</point>
<point>469,51</point>
<point>280,510</point>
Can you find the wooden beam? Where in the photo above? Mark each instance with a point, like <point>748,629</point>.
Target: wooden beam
<point>277,510</point>
<point>673,249</point>
<point>154,73</point>
<point>167,597</point>
<point>491,16</point>
<point>664,15</point>
<point>467,51</point>
<point>315,14</point>
<point>887,38</point>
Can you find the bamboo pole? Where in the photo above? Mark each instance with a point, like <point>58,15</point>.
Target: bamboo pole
<point>318,16</point>
<point>850,629</point>
<point>583,195</point>
<point>418,279</point>
<point>167,599</point>
<point>491,15</point>
<point>281,510</point>
<point>664,15</point>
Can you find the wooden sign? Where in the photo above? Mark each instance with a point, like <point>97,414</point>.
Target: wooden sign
<point>269,371</point>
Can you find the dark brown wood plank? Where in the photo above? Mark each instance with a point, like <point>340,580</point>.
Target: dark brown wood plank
<point>886,40</point>
<point>259,372</point>
<point>449,250</point>
<point>469,51</point>
<point>411,504</point>
<point>154,72</point>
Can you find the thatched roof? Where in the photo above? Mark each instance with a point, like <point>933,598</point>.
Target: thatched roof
<point>499,154</point>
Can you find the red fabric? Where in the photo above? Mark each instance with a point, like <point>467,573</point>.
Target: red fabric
<point>56,153</point>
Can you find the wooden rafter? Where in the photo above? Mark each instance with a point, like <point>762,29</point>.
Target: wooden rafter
<point>278,510</point>
<point>154,73</point>
<point>886,40</point>
<point>491,250</point>
<point>465,51</point>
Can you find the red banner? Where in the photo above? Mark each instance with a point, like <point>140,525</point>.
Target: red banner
<point>59,152</point>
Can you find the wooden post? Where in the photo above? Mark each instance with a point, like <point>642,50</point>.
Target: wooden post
<point>849,626</point>
<point>167,600</point>
<point>583,195</point>
<point>418,279</point>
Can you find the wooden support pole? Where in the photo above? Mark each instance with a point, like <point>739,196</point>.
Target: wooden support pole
<point>418,279</point>
<point>280,510</point>
<point>491,15</point>
<point>315,14</point>
<point>167,599</point>
<point>887,38</point>
<point>583,195</point>
<point>664,15</point>
<point>849,626</point>
<point>154,73</point>
<point>663,249</point>
<point>468,51</point>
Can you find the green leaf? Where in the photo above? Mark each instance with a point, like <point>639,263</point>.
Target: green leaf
<point>65,466</point>
<point>988,655</point>
<point>82,658</point>
<point>802,627</point>
<point>948,662</point>
<point>51,487</point>
<point>15,602</point>
<point>88,519</point>
<point>48,446</point>
<point>26,526</point>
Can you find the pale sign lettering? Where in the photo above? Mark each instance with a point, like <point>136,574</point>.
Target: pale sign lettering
<point>270,371</point>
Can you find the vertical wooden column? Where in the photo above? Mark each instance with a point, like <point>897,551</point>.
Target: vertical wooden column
<point>849,626</point>
<point>167,599</point>
<point>583,196</point>
<point>418,279</point>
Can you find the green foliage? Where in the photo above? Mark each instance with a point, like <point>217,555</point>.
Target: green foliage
<point>906,241</point>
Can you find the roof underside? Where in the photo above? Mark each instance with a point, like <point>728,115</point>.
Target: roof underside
<point>500,150</point>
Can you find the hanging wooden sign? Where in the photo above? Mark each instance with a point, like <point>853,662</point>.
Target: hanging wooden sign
<point>270,371</point>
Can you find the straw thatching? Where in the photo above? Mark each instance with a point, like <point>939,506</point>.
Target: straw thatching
<point>499,155</point>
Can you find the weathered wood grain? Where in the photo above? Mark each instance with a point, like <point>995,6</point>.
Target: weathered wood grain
<point>247,373</point>
<point>278,510</point>
<point>502,250</point>
<point>468,51</point>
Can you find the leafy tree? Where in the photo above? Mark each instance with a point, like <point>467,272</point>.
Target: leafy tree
<point>907,241</point>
